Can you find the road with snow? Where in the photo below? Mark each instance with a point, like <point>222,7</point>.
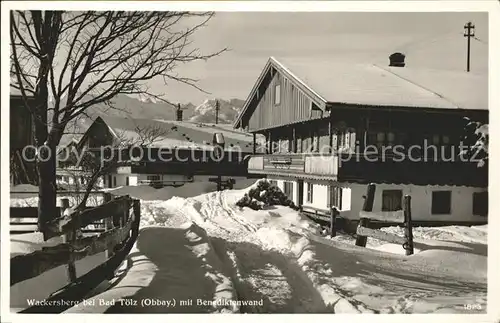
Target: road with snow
<point>205,255</point>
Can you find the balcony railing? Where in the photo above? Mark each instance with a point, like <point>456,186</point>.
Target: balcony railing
<point>321,165</point>
<point>367,168</point>
<point>287,164</point>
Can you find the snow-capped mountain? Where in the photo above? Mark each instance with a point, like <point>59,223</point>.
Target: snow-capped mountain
<point>150,108</point>
<point>228,110</point>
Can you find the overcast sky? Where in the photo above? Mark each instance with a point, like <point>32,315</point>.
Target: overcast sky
<point>430,40</point>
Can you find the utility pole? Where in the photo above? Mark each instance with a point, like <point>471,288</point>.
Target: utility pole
<point>469,32</point>
<point>216,111</point>
<point>178,112</point>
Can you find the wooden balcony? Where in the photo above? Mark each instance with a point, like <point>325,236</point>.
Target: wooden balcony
<point>366,169</point>
<point>296,165</point>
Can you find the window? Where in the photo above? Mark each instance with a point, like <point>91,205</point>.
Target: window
<point>309,193</point>
<point>435,140</point>
<point>335,197</point>
<point>480,203</point>
<point>391,138</point>
<point>380,139</point>
<point>153,177</point>
<point>391,200</point>
<point>127,181</point>
<point>288,190</point>
<point>441,202</point>
<point>277,94</point>
<point>114,181</point>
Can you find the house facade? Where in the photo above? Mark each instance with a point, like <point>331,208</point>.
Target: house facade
<point>333,128</point>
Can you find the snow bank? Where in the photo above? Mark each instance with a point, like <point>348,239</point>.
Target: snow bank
<point>474,234</point>
<point>282,233</point>
<point>206,247</point>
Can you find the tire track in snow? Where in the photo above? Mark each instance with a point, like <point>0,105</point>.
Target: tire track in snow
<point>332,297</point>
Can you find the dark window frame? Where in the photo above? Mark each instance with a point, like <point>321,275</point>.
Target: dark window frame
<point>439,206</point>
<point>310,193</point>
<point>335,197</point>
<point>480,203</point>
<point>392,200</point>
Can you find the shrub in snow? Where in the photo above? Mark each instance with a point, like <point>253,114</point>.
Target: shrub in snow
<point>265,194</point>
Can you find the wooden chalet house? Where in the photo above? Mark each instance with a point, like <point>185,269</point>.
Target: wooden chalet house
<point>333,128</point>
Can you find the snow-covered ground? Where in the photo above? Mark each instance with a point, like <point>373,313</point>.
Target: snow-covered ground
<point>206,249</point>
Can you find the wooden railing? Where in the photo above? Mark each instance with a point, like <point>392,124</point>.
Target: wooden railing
<point>321,165</point>
<point>120,216</point>
<point>307,164</point>
<point>256,163</point>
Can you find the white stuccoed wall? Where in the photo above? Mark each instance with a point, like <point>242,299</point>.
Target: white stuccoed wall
<point>421,201</point>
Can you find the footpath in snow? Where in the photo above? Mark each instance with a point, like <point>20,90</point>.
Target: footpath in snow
<point>217,258</point>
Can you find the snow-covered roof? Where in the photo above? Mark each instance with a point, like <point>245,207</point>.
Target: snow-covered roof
<point>337,82</point>
<point>374,85</point>
<point>177,134</point>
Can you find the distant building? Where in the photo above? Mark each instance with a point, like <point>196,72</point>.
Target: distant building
<point>21,135</point>
<point>186,146</point>
<point>319,118</point>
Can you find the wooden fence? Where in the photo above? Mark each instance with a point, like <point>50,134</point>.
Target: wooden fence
<point>322,215</point>
<point>120,217</point>
<point>367,215</point>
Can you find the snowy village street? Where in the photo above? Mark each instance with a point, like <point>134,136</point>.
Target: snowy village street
<point>193,255</point>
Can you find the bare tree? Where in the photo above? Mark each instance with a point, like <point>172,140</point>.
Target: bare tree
<point>92,165</point>
<point>75,60</point>
<point>476,138</point>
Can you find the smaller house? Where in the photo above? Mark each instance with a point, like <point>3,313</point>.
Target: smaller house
<point>165,152</point>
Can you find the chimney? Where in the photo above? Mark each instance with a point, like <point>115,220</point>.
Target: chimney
<point>397,59</point>
<point>179,112</point>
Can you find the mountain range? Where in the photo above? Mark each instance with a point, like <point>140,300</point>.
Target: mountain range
<point>131,107</point>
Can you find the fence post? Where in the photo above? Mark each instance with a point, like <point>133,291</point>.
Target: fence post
<point>70,238</point>
<point>136,219</point>
<point>108,222</point>
<point>367,207</point>
<point>408,225</point>
<point>333,216</point>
